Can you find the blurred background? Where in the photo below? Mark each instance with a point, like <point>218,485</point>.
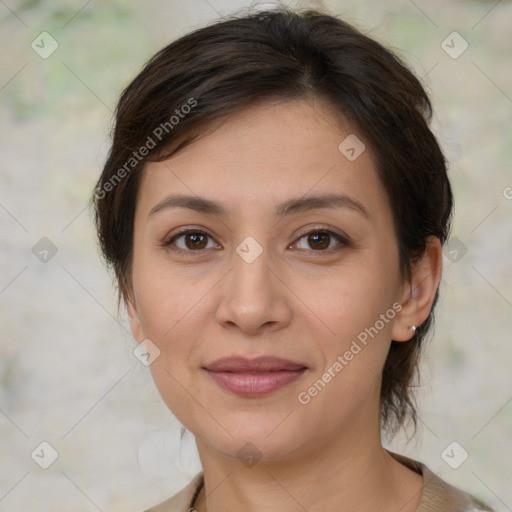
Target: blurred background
<point>68,376</point>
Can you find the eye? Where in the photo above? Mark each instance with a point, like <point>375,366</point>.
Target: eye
<point>194,240</point>
<point>320,239</point>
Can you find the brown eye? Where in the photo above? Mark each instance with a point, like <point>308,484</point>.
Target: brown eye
<point>193,241</point>
<point>320,241</point>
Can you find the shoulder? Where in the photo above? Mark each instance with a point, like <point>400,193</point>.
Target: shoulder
<point>438,495</point>
<point>182,501</point>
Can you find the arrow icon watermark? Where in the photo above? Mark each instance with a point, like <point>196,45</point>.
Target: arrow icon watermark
<point>146,352</point>
<point>44,45</point>
<point>44,250</point>
<point>352,147</point>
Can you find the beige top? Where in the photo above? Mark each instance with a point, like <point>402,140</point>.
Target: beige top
<point>437,495</point>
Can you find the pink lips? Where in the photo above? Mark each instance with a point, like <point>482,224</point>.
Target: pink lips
<point>254,377</point>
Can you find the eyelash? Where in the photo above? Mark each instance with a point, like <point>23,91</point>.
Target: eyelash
<point>340,238</point>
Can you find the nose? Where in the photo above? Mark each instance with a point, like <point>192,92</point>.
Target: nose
<point>253,297</point>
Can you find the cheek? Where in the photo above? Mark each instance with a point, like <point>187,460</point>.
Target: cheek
<point>165,296</point>
<point>169,315</point>
<point>172,311</point>
<point>360,314</point>
<point>348,302</point>
<point>354,311</point>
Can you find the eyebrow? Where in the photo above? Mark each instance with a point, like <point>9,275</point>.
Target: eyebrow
<point>301,204</point>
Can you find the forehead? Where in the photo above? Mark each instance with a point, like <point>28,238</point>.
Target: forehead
<point>269,151</point>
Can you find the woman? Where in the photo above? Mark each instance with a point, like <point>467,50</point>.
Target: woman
<point>274,206</point>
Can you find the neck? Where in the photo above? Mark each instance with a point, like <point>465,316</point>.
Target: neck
<point>346,473</point>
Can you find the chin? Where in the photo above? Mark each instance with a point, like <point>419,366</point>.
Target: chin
<point>265,441</point>
<point>251,449</point>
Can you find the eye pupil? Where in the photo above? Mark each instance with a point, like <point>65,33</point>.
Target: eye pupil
<point>195,238</point>
<point>321,235</point>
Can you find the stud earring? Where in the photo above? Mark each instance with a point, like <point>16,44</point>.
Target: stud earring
<point>413,329</point>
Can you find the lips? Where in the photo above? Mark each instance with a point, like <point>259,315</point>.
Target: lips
<point>254,377</point>
<point>259,364</point>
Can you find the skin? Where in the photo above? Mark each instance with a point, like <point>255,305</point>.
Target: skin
<point>299,299</point>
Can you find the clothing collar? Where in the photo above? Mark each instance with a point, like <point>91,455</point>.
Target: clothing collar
<point>436,493</point>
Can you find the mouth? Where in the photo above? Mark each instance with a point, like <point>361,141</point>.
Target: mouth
<point>255,383</point>
<point>254,377</point>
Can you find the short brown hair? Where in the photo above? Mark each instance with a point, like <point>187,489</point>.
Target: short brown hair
<point>233,63</point>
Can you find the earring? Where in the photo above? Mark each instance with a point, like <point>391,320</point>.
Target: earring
<point>413,329</point>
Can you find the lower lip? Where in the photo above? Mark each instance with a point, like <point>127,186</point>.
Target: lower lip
<point>255,384</point>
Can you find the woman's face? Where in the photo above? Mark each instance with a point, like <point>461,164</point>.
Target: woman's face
<point>263,279</point>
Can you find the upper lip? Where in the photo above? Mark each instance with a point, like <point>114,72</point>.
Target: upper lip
<point>238,364</point>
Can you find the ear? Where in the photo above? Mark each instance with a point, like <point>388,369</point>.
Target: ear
<point>418,295</point>
<point>133,317</point>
